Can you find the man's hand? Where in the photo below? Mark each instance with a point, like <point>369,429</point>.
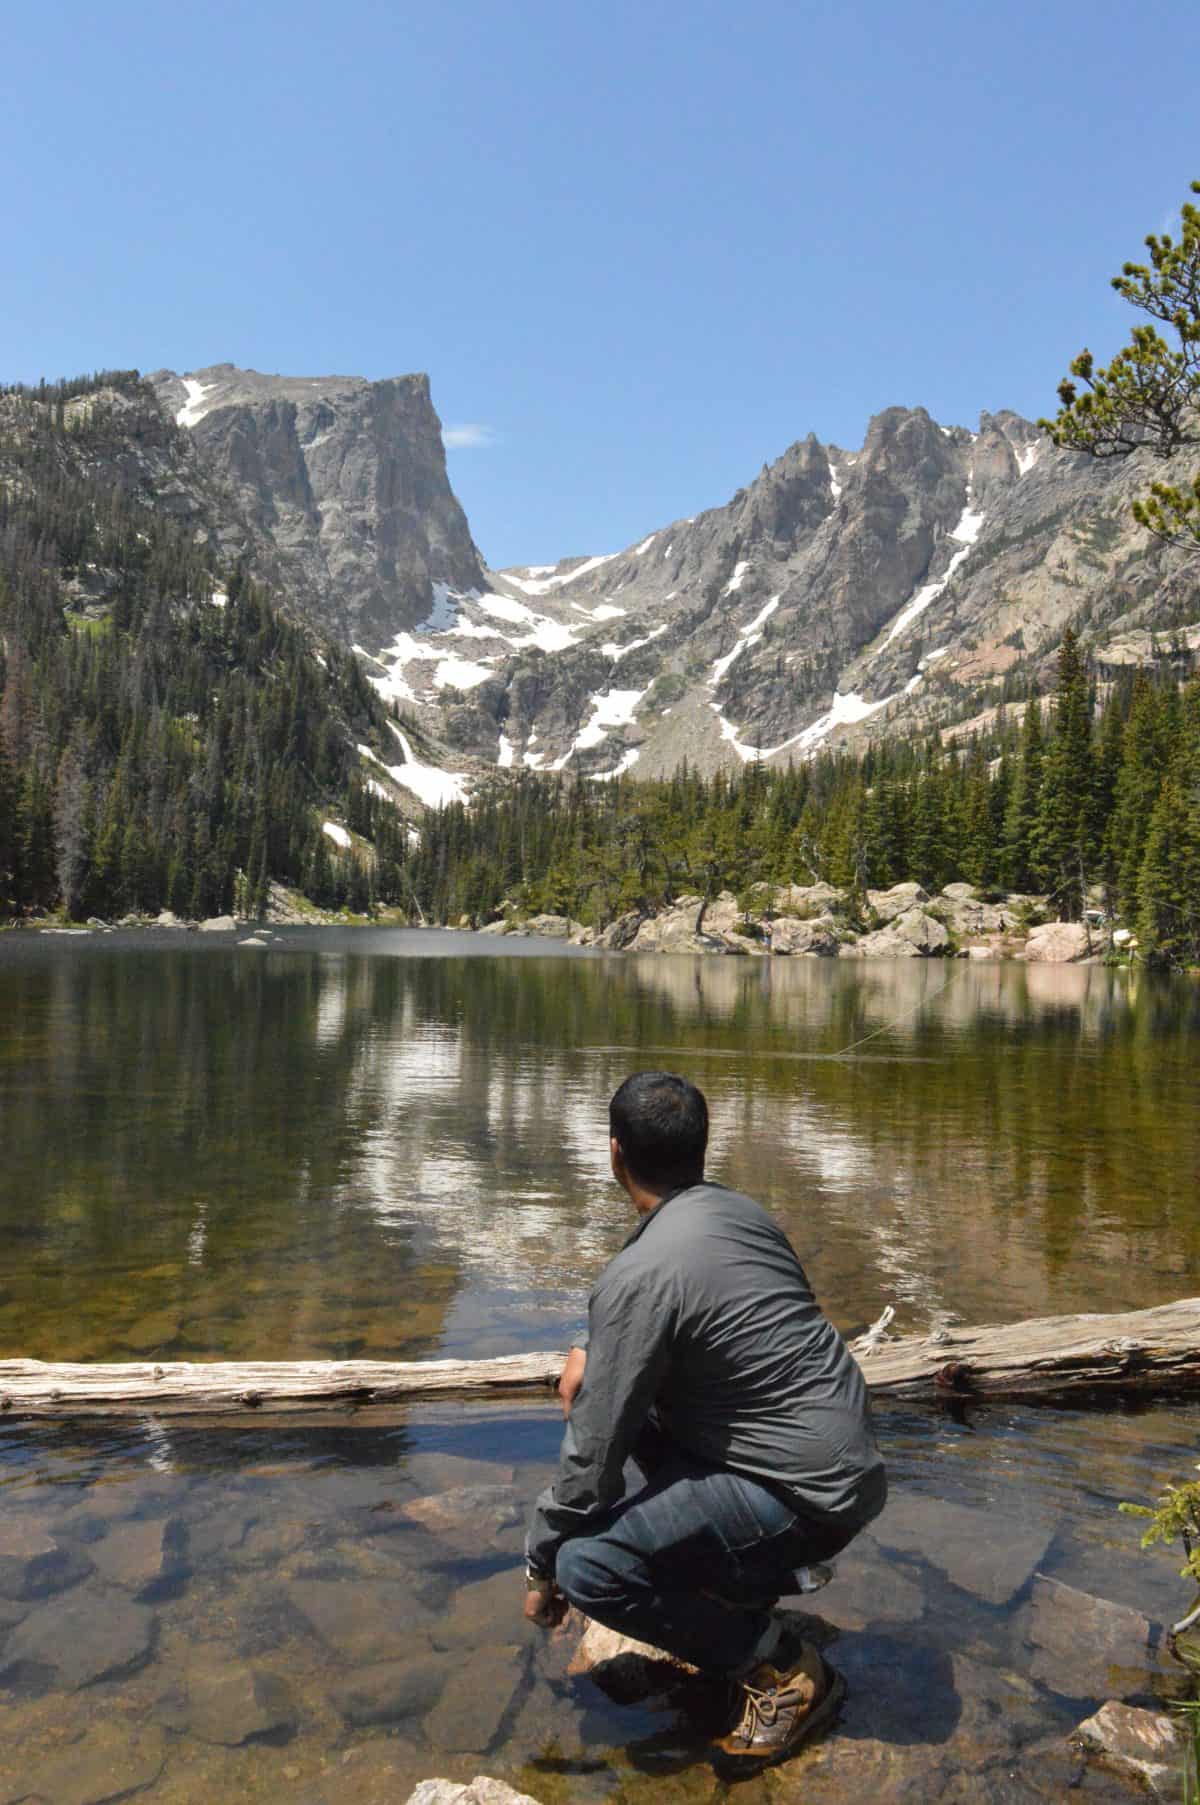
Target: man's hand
<point>571,1378</point>
<point>545,1605</point>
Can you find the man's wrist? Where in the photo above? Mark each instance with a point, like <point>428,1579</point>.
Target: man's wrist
<point>538,1582</point>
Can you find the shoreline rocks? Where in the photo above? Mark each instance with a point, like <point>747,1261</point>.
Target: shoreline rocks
<point>819,921</point>
<point>784,920</point>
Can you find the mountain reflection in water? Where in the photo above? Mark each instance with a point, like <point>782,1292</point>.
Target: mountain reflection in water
<point>327,1149</point>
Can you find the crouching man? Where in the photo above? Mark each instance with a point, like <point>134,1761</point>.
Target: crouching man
<point>718,1437</point>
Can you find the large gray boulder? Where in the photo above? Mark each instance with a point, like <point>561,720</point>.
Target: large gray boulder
<point>819,936</point>
<point>968,917</point>
<point>621,933</point>
<point>914,935</point>
<point>808,900</point>
<point>888,905</point>
<point>1058,943</point>
<point>553,927</point>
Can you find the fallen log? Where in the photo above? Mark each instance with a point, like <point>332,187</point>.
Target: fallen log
<point>1142,1352</point>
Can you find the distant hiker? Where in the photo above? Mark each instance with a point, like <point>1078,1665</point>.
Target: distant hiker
<point>710,1367</point>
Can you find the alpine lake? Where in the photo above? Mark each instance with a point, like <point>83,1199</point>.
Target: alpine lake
<point>394,1145</point>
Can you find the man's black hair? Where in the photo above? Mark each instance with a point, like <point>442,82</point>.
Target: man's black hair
<point>661,1123</point>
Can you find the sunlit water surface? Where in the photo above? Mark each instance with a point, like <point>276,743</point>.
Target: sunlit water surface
<point>391,1144</point>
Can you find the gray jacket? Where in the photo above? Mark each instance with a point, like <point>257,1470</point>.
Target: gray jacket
<point>706,1317</point>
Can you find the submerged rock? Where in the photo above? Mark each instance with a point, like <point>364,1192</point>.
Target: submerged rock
<point>82,1641</point>
<point>475,1700</point>
<point>1083,1646</point>
<point>363,1623</point>
<point>111,1762</point>
<point>32,1562</point>
<point>136,1554</point>
<point>490,1609</point>
<point>471,1517</point>
<point>227,1702</point>
<point>995,1560</point>
<point>391,1691</point>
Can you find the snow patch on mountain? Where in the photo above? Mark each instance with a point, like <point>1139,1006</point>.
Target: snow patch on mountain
<point>434,787</point>
<point>605,611</point>
<point>626,763</point>
<point>965,534</point>
<point>545,585</point>
<point>193,409</point>
<point>845,711</point>
<point>337,834</point>
<point>738,577</point>
<point>460,673</point>
<point>616,652</point>
<point>749,636</point>
<point>611,709</point>
<point>444,613</point>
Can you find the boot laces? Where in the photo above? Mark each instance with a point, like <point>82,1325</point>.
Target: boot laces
<point>763,1707</point>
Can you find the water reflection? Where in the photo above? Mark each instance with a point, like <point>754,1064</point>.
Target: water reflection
<point>329,1149</point>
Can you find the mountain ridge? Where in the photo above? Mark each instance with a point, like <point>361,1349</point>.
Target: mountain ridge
<point>840,595</point>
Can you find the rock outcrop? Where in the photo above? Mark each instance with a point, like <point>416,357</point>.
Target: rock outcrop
<point>913,935</point>
<point>1148,1745</point>
<point>338,489</point>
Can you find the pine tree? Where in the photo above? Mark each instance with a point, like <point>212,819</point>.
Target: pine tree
<point>1061,848</point>
<point>1020,826</point>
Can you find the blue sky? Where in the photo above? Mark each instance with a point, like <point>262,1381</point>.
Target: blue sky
<point>640,247</point>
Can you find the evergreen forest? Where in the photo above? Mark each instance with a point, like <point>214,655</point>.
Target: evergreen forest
<point>169,739</point>
<point>1059,800</point>
<point>158,748</point>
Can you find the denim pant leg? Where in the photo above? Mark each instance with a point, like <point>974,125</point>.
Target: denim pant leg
<point>691,1531</point>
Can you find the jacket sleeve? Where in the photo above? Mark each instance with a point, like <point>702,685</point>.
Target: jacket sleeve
<point>631,1328</point>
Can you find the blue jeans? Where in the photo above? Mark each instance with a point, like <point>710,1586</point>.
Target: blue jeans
<point>684,1539</point>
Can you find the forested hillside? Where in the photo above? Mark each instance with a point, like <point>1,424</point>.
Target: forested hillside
<point>167,738</point>
<point>1054,798</point>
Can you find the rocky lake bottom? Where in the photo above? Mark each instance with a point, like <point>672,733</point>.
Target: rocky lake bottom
<point>330,1615</point>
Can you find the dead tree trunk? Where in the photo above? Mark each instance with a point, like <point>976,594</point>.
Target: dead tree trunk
<point>1143,1352</point>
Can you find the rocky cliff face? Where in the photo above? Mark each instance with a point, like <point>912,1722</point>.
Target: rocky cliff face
<point>840,595</point>
<point>336,487</point>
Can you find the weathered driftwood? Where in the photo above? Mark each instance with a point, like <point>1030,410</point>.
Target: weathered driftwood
<point>1144,1351</point>
<point>1141,1351</point>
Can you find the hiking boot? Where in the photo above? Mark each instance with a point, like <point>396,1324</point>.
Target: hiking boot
<point>780,1710</point>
